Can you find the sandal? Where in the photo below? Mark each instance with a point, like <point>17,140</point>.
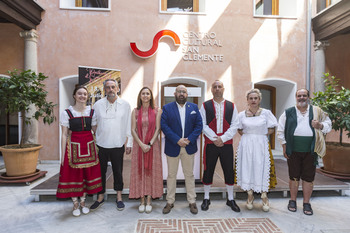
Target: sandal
<point>292,206</point>
<point>265,200</point>
<point>250,200</point>
<point>76,208</point>
<point>307,209</point>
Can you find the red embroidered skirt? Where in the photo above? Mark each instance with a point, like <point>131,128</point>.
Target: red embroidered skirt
<point>80,172</point>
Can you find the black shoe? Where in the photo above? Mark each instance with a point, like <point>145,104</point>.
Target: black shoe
<point>233,205</point>
<point>96,205</point>
<point>205,205</point>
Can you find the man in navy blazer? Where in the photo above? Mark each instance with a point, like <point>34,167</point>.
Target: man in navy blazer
<point>181,124</point>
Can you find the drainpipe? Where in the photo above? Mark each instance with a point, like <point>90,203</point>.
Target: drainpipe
<point>308,45</point>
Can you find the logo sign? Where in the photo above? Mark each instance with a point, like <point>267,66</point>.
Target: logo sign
<point>157,37</point>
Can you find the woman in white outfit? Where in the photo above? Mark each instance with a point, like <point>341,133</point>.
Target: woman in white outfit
<point>254,161</point>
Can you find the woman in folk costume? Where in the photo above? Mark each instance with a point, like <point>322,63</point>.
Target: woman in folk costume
<point>80,172</point>
<point>146,178</point>
<point>254,160</point>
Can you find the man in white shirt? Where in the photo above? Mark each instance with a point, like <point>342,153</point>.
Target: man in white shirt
<point>220,123</point>
<point>113,131</point>
<point>298,133</point>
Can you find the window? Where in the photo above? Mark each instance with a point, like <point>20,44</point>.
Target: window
<point>282,8</point>
<point>323,4</point>
<point>85,4</point>
<point>184,6</point>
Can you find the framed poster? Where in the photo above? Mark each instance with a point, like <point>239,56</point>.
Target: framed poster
<point>93,78</point>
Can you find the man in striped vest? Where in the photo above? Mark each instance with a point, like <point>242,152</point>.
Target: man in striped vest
<point>220,123</point>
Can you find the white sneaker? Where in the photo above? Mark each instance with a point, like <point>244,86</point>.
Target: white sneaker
<point>148,208</point>
<point>85,210</point>
<point>76,212</point>
<point>141,208</point>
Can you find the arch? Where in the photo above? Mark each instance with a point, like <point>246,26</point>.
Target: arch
<point>66,87</point>
<point>285,97</point>
<point>198,159</point>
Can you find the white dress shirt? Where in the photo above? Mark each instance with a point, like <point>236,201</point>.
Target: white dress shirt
<point>113,123</point>
<point>219,114</point>
<point>182,112</point>
<point>303,126</point>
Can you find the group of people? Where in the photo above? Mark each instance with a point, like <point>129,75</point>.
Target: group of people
<point>92,137</point>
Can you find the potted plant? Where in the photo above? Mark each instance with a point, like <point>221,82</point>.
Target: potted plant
<point>335,100</point>
<point>19,92</point>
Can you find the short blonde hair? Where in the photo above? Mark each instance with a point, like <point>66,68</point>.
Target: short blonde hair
<point>256,91</point>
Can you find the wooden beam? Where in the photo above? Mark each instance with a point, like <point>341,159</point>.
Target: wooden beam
<point>332,22</point>
<point>25,14</point>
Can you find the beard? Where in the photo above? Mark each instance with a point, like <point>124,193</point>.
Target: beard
<point>180,99</point>
<point>110,95</point>
<point>302,103</point>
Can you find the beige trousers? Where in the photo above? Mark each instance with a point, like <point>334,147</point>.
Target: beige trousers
<point>187,163</point>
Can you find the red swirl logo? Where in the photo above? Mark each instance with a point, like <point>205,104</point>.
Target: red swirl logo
<point>153,50</point>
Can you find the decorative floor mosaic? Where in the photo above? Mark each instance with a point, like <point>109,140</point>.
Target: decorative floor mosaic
<point>255,225</point>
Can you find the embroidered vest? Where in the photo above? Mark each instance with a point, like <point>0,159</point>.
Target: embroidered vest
<point>211,118</point>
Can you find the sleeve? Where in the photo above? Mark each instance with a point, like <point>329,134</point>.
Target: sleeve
<point>270,119</point>
<point>206,129</point>
<point>228,135</point>
<point>168,132</point>
<point>128,128</point>
<point>240,118</point>
<point>94,119</point>
<point>197,129</point>
<point>280,129</point>
<point>327,124</point>
<point>64,119</point>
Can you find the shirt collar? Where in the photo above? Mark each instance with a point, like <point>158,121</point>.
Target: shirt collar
<point>179,106</point>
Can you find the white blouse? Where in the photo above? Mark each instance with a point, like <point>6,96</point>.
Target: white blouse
<point>64,118</point>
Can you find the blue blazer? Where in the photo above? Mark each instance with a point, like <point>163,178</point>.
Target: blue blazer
<point>171,127</point>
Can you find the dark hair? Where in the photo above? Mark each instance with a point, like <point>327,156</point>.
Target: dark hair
<point>308,94</point>
<point>139,101</point>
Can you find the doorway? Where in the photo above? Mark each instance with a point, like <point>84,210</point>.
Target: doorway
<point>268,101</point>
<point>196,94</point>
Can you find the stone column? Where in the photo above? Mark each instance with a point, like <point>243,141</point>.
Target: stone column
<point>320,65</point>
<point>30,62</point>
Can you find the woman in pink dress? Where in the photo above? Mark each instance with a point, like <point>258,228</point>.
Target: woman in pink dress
<point>146,179</point>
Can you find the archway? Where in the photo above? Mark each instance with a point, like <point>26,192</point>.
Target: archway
<point>196,93</point>
<point>282,98</point>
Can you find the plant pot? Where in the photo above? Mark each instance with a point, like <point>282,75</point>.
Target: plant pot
<point>20,161</point>
<point>337,159</point>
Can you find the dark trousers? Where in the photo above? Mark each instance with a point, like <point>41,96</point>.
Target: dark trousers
<point>225,154</point>
<point>115,155</point>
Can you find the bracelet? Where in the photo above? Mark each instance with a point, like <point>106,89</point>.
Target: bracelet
<point>149,144</point>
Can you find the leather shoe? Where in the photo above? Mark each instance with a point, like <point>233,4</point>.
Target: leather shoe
<point>233,205</point>
<point>205,204</point>
<point>193,208</point>
<point>167,208</point>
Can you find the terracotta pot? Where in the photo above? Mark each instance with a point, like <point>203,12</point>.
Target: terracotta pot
<point>337,158</point>
<point>22,161</point>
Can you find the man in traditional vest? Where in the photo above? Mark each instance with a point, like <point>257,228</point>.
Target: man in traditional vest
<point>301,131</point>
<point>220,123</point>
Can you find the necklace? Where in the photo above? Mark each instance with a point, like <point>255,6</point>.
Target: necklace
<point>254,113</point>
